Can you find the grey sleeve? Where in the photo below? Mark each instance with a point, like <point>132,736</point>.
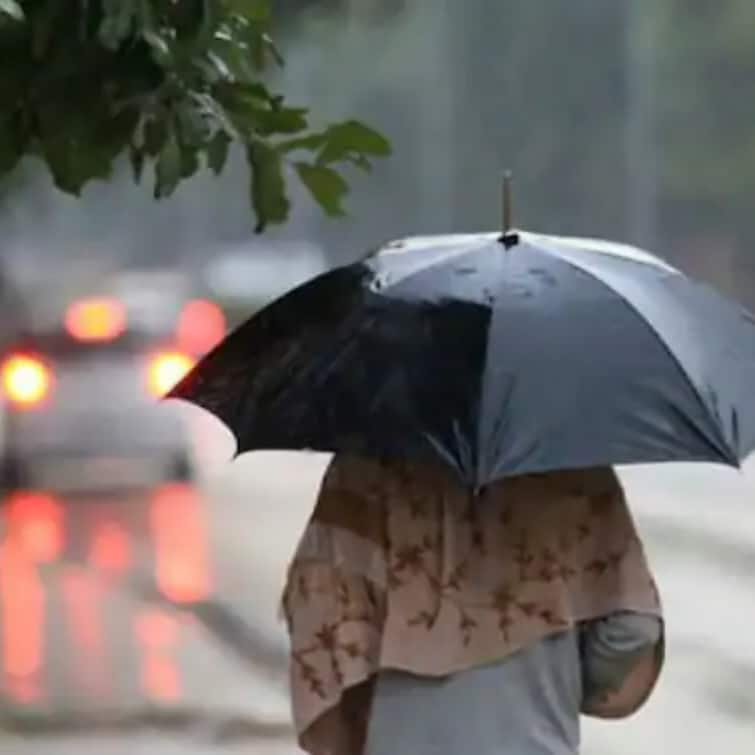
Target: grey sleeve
<point>611,646</point>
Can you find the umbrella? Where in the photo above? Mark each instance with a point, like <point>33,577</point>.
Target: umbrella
<point>496,355</point>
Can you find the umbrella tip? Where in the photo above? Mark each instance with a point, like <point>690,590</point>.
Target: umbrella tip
<point>509,237</point>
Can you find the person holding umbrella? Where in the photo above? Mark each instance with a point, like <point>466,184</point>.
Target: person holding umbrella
<point>471,579</point>
<point>428,619</point>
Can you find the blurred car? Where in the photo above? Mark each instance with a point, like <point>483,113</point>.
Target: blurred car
<point>81,394</point>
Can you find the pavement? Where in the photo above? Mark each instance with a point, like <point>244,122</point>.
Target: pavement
<point>122,669</point>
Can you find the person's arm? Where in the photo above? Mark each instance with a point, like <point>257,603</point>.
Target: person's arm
<point>621,658</point>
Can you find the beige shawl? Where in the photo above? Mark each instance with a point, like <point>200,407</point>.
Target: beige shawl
<point>402,568</point>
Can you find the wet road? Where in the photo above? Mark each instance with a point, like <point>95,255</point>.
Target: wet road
<point>115,618</point>
<point>151,621</point>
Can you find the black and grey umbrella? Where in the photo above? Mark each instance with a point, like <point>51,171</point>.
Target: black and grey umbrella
<point>495,355</point>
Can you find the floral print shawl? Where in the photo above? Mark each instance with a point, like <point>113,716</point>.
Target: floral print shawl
<point>401,568</point>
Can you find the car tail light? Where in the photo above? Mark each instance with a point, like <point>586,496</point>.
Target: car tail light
<point>166,370</point>
<point>36,521</point>
<point>96,320</point>
<point>201,326</point>
<point>179,533</point>
<point>22,618</point>
<point>27,380</point>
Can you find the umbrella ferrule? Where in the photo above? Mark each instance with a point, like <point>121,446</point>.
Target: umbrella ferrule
<point>509,238</point>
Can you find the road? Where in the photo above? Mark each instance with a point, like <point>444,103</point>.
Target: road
<point>149,623</point>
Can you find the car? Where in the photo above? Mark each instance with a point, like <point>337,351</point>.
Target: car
<point>81,395</point>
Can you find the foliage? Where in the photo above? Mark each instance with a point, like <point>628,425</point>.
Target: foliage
<point>171,83</point>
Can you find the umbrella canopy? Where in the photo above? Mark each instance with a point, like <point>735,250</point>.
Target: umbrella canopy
<point>498,359</point>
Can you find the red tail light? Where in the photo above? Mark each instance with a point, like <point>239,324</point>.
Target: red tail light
<point>27,380</point>
<point>179,532</point>
<point>36,520</point>
<point>167,369</point>
<point>96,320</point>
<point>22,613</point>
<point>201,326</point>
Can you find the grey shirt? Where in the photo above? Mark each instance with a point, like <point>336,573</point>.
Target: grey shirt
<point>527,704</point>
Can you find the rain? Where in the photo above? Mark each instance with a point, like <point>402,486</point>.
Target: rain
<point>148,620</point>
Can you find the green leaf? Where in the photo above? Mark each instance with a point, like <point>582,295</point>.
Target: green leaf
<point>44,26</point>
<point>346,140</point>
<point>189,161</point>
<point>161,52</point>
<point>72,163</point>
<point>217,152</point>
<point>169,167</point>
<point>207,26</point>
<point>252,10</point>
<point>268,187</point>
<point>155,133</point>
<point>10,154</point>
<point>169,83</point>
<point>147,19</point>
<point>214,112</point>
<point>119,17</point>
<point>326,186</point>
<point>239,102</point>
<point>361,162</point>
<point>192,123</point>
<point>280,120</point>
<point>272,49</point>
<point>255,108</point>
<point>213,67</point>
<point>263,48</point>
<point>72,138</point>
<point>310,143</point>
<point>12,8</point>
<point>231,60</point>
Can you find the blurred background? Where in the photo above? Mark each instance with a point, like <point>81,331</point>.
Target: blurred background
<point>139,571</point>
